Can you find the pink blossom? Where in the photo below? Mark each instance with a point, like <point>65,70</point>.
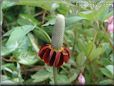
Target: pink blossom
<point>110,22</point>
<point>81,79</point>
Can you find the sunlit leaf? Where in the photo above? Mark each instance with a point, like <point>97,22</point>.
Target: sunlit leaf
<point>17,35</point>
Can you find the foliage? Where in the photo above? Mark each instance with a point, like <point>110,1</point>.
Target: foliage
<point>28,24</point>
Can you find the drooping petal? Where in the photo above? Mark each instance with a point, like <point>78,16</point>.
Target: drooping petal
<point>68,51</point>
<point>66,58</point>
<point>42,51</point>
<point>50,55</point>
<point>57,59</point>
<point>66,55</point>
<point>46,56</point>
<point>60,61</point>
<point>52,59</point>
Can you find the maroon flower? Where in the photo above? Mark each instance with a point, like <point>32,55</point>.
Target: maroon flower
<point>54,57</point>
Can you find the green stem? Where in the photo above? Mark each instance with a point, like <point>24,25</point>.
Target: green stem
<point>55,75</point>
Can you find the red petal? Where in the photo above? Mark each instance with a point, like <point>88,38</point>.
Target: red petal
<point>42,51</point>
<point>46,56</point>
<point>66,58</point>
<point>52,59</point>
<point>68,51</point>
<point>66,55</point>
<point>50,55</point>
<point>57,58</point>
<point>60,61</point>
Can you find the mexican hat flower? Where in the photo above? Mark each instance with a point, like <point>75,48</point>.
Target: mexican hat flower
<point>55,54</point>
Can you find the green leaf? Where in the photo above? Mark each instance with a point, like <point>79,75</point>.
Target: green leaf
<point>33,42</point>
<point>24,53</point>
<point>27,19</point>
<point>50,22</point>
<point>80,59</point>
<point>106,82</point>
<point>62,79</point>
<point>40,76</point>
<point>73,77</point>
<point>1,16</point>
<point>6,51</point>
<point>38,3</point>
<point>17,35</point>
<point>89,14</point>
<point>27,58</point>
<point>106,72</point>
<point>103,12</point>
<point>41,34</point>
<point>90,46</point>
<point>110,68</point>
<point>81,46</point>
<point>5,80</point>
<point>96,52</point>
<point>8,3</point>
<point>73,19</point>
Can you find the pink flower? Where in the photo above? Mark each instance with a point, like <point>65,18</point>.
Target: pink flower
<point>81,79</point>
<point>110,22</point>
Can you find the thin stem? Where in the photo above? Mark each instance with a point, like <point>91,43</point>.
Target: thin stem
<point>55,75</point>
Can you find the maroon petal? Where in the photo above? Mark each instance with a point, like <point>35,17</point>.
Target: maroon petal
<point>66,55</point>
<point>68,51</point>
<point>52,59</point>
<point>50,55</point>
<point>66,58</point>
<point>46,56</point>
<point>57,58</point>
<point>60,61</point>
<point>42,51</point>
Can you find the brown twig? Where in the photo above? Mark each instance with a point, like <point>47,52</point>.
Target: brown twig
<point>43,16</point>
<point>39,13</point>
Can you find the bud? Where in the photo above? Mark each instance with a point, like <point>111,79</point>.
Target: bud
<point>81,79</point>
<point>110,22</point>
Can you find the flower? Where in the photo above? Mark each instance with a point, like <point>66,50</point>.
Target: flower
<point>54,54</point>
<point>54,57</point>
<point>81,79</point>
<point>110,22</point>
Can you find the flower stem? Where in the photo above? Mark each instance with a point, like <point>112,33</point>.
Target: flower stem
<point>55,75</point>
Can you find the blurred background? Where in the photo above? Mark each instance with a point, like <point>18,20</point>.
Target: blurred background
<point>28,24</point>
